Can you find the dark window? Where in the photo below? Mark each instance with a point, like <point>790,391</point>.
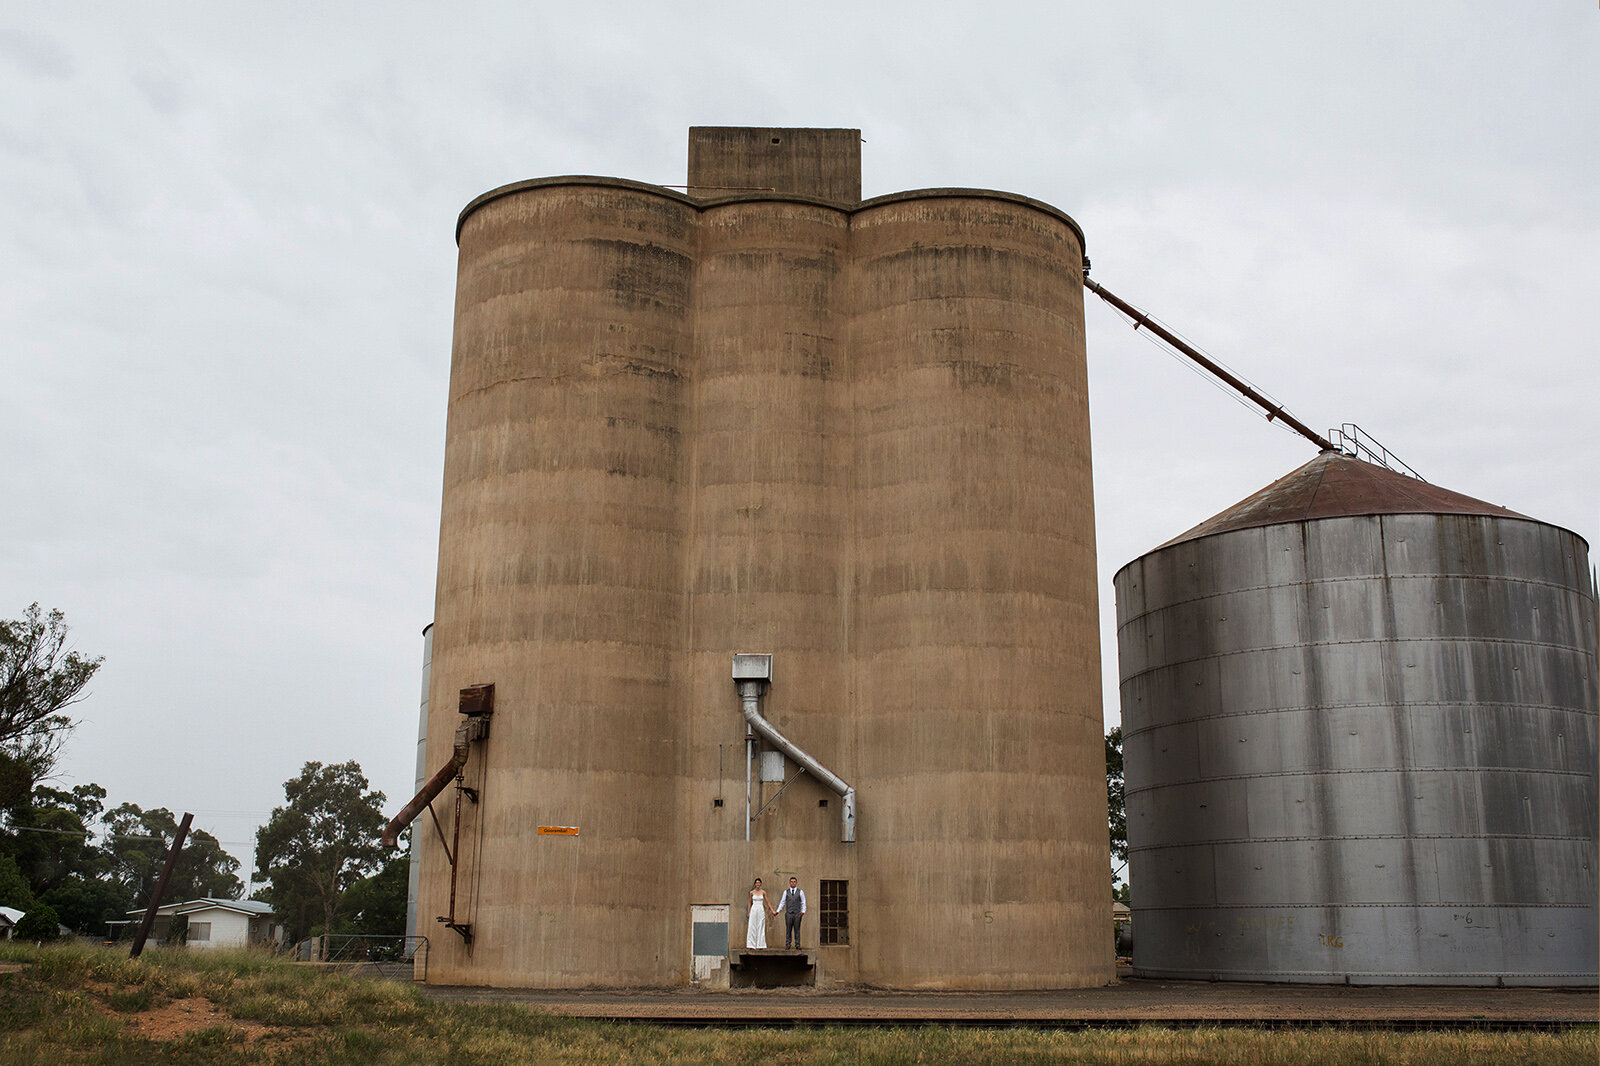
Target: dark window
<point>710,938</point>
<point>835,912</point>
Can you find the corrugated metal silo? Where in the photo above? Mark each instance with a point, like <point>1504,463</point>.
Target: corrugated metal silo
<point>414,875</point>
<point>1359,719</point>
<point>769,417</point>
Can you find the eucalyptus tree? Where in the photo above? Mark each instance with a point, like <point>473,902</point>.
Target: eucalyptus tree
<point>319,844</point>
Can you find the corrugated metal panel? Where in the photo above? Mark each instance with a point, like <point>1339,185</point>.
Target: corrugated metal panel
<point>415,874</point>
<point>1364,748</point>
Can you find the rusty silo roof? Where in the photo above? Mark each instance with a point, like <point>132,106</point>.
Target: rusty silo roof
<point>1337,486</point>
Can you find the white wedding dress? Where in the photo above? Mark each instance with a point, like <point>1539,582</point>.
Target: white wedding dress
<point>756,935</point>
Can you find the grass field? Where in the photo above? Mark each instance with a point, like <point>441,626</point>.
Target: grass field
<point>64,1005</point>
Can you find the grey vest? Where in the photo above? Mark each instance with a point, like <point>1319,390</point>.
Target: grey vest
<point>791,900</point>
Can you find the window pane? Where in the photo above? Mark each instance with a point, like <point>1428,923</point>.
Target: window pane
<point>834,914</point>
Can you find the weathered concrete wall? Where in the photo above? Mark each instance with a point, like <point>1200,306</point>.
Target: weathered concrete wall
<point>825,163</point>
<point>978,717</point>
<point>853,435</point>
<point>560,558</point>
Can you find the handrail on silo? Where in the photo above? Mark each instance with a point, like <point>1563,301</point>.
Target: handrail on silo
<point>1357,442</point>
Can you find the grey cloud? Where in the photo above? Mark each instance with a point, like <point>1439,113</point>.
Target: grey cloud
<point>37,54</point>
<point>165,90</point>
<point>226,295</point>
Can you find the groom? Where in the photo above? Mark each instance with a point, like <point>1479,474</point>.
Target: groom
<point>793,904</point>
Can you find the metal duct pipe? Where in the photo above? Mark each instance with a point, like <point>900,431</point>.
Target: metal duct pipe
<point>1141,318</point>
<point>750,697</point>
<point>469,730</point>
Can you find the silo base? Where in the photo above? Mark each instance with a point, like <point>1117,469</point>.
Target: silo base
<point>1528,947</point>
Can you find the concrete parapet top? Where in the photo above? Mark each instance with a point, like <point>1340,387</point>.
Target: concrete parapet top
<point>702,203</point>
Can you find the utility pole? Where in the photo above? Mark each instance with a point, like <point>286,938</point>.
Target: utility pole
<point>161,886</point>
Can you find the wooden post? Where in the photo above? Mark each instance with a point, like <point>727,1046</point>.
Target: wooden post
<point>161,886</point>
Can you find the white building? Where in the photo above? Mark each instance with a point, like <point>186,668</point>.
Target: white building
<point>219,923</point>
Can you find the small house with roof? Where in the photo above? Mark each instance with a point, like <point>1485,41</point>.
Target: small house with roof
<point>218,923</point>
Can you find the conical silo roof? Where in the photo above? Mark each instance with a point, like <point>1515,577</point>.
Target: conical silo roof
<point>1334,485</point>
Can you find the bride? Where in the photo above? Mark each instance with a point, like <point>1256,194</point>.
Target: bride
<point>756,934</point>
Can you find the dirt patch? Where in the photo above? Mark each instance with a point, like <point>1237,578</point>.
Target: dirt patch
<point>184,1016</point>
<point>11,967</point>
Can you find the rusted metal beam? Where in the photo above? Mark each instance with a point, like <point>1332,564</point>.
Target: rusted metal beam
<point>464,929</point>
<point>1273,410</point>
<point>435,785</point>
<point>477,705</point>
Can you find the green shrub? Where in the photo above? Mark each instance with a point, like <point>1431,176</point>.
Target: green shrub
<point>41,925</point>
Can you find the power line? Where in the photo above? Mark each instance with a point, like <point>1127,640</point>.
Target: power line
<point>77,833</point>
<point>85,833</point>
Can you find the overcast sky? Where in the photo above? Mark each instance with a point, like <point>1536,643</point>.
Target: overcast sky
<point>227,272</point>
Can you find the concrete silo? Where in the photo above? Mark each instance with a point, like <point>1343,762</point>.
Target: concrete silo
<point>1359,719</point>
<point>770,417</point>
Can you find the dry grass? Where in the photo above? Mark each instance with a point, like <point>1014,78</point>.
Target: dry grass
<point>69,1005</point>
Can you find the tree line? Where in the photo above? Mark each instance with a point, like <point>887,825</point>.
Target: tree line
<point>1117,814</point>
<point>66,858</point>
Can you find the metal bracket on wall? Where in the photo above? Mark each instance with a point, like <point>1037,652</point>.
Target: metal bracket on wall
<point>462,929</point>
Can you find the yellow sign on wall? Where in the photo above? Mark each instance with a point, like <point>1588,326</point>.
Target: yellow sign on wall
<point>558,830</point>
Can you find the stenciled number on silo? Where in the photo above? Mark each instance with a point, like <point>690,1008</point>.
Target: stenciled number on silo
<point>1330,940</point>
